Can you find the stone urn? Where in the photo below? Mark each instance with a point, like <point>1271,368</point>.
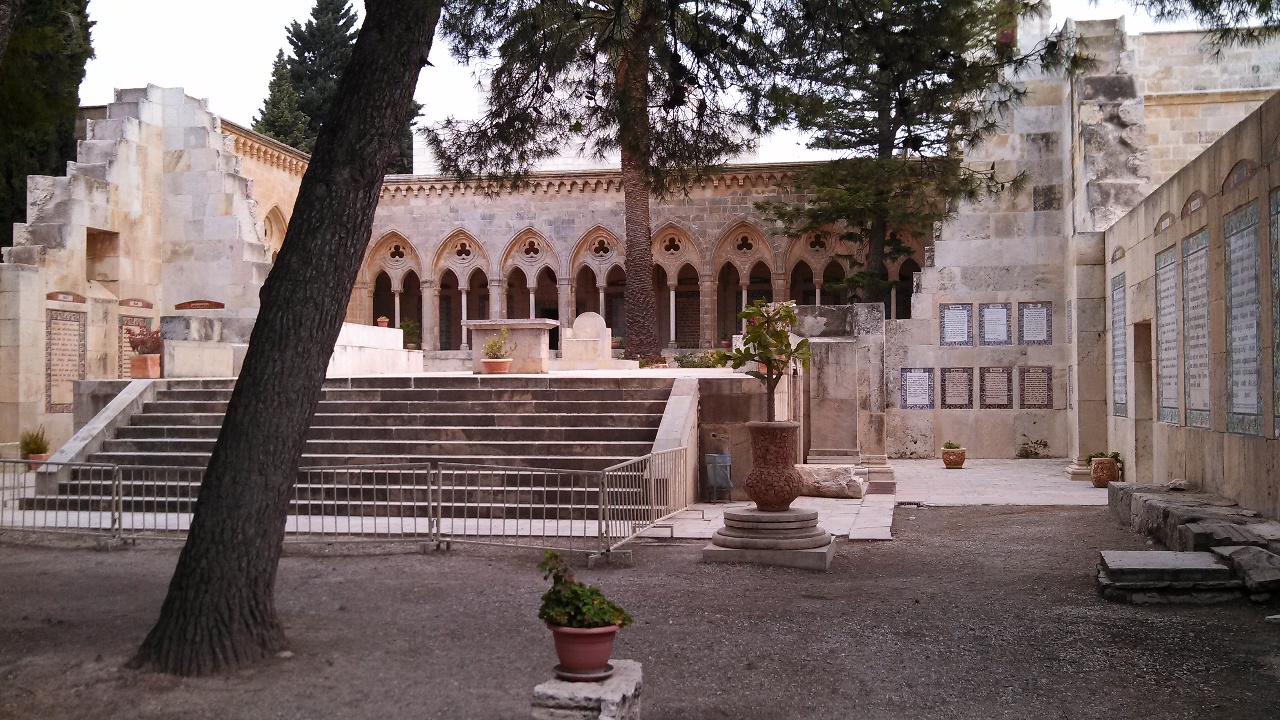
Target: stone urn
<point>144,367</point>
<point>1103,471</point>
<point>953,458</point>
<point>773,481</point>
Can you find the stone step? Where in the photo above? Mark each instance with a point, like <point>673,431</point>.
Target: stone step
<point>475,434</point>
<point>387,447</point>
<point>1163,566</point>
<point>438,394</point>
<point>487,407</point>
<point>476,457</point>
<point>520,420</point>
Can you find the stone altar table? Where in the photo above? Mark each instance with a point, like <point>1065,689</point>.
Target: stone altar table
<point>532,338</point>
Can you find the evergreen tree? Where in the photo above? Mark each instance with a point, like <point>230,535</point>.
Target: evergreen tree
<point>280,117</point>
<point>669,83</point>
<point>1227,21</point>
<point>40,76</point>
<point>9,10</point>
<point>901,89</point>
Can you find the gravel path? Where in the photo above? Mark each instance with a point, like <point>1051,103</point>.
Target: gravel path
<point>980,612</point>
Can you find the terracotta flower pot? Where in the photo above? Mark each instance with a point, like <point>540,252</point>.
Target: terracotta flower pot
<point>383,323</point>
<point>35,460</point>
<point>1103,471</point>
<point>144,367</point>
<point>496,366</point>
<point>773,481</point>
<point>584,652</point>
<point>953,459</point>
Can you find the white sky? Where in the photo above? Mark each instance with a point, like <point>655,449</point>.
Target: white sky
<point>224,52</point>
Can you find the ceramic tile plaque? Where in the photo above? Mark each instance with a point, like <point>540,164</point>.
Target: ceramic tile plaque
<point>129,324</point>
<point>1195,327</point>
<point>955,323</point>
<point>1119,349</point>
<point>1167,334</point>
<point>995,388</point>
<point>1244,399</point>
<point>1035,323</point>
<point>957,388</point>
<point>1070,337</point>
<point>1275,304</point>
<point>1035,385</point>
<point>1071,387</point>
<point>64,359</point>
<point>915,389</point>
<point>994,324</point>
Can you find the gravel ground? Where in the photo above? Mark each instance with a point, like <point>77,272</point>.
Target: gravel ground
<point>977,612</point>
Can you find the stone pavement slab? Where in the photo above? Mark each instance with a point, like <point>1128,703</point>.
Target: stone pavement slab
<point>992,482</point>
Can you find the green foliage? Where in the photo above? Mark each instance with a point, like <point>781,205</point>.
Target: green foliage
<point>280,117</point>
<point>574,604</point>
<point>1242,22</point>
<point>40,76</point>
<point>33,442</point>
<point>766,342</point>
<point>948,445</point>
<point>497,347</point>
<point>708,359</point>
<point>1113,455</point>
<point>901,89</point>
<point>412,332</point>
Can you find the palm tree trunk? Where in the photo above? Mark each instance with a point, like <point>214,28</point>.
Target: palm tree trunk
<point>642,307</point>
<point>220,610</point>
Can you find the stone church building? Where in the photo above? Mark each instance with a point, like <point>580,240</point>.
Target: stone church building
<point>1002,333</point>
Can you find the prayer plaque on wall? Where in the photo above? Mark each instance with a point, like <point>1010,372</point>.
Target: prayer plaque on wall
<point>129,325</point>
<point>1195,327</point>
<point>1244,399</point>
<point>1167,334</point>
<point>1036,387</point>
<point>915,389</point>
<point>955,322</point>
<point>1275,304</point>
<point>1035,323</point>
<point>64,357</point>
<point>995,388</point>
<point>1119,349</point>
<point>1071,388</point>
<point>957,388</point>
<point>994,324</point>
<point>1070,337</point>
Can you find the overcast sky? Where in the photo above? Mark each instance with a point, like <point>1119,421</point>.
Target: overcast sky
<point>224,52</point>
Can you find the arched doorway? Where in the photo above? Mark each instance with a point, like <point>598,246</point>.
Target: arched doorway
<point>730,304</point>
<point>411,303</point>
<point>760,285</point>
<point>662,300</point>
<point>832,278</point>
<point>615,308</point>
<point>517,295</point>
<point>803,291</point>
<point>546,302</point>
<point>905,288</point>
<point>384,299</point>
<point>450,312</point>
<point>586,294</point>
<point>688,309</point>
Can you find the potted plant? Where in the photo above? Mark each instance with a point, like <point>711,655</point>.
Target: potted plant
<point>497,354</point>
<point>952,455</point>
<point>34,447</point>
<point>767,345</point>
<point>1104,468</point>
<point>146,344</point>
<point>383,321</point>
<point>412,334</point>
<point>616,342</point>
<point>583,622</point>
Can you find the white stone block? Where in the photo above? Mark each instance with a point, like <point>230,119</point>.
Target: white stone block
<point>617,698</point>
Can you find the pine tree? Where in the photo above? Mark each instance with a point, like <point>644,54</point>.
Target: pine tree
<point>1227,21</point>
<point>672,84</point>
<point>320,51</point>
<point>901,89</point>
<point>40,76</point>
<point>280,117</point>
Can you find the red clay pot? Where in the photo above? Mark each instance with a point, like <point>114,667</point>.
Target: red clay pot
<point>496,366</point>
<point>584,650</point>
<point>773,481</point>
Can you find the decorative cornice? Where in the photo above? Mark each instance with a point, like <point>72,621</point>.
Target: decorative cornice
<point>1209,97</point>
<point>254,145</point>
<point>580,181</point>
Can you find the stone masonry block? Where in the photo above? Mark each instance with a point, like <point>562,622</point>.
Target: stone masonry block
<point>617,698</point>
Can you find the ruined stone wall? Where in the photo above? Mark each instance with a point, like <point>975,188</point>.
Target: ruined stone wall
<point>275,170</point>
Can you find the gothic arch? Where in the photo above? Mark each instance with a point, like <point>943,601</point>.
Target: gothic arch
<point>1165,221</point>
<point>814,251</point>
<point>742,246</point>
<point>394,255</point>
<point>530,251</point>
<point>673,248</point>
<point>274,227</point>
<point>1240,174</point>
<point>461,253</point>
<point>598,249</point>
<point>1195,202</point>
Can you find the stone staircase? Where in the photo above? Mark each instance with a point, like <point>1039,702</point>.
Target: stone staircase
<point>579,425</point>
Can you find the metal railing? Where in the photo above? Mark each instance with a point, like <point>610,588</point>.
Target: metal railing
<point>593,511</point>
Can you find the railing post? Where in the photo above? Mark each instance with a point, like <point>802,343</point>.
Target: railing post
<point>117,503</point>
<point>603,500</point>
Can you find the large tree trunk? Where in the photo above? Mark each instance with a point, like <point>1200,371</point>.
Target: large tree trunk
<point>9,12</point>
<point>877,234</point>
<point>220,611</point>
<point>642,308</point>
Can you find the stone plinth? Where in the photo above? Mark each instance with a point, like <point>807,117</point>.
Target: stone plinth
<point>832,481</point>
<point>532,340</point>
<point>790,538</point>
<point>617,698</point>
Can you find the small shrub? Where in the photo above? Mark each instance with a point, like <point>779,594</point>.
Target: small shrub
<point>497,347</point>
<point>948,445</point>
<point>1032,449</point>
<point>574,604</point>
<point>412,332</point>
<point>707,359</point>
<point>146,342</point>
<point>33,442</point>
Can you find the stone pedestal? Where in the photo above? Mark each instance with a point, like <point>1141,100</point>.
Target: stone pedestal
<point>790,538</point>
<point>532,353</point>
<point>617,698</point>
<point>1078,470</point>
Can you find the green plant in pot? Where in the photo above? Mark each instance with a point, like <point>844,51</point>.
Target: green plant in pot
<point>34,447</point>
<point>952,455</point>
<point>496,354</point>
<point>412,334</point>
<point>769,348</point>
<point>583,622</point>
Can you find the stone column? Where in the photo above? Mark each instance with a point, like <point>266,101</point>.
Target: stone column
<point>742,324</point>
<point>497,300</point>
<point>532,292</point>
<point>893,303</point>
<point>396,320</point>
<point>671,291</point>
<point>817,293</point>
<point>781,287</point>
<point>564,301</point>
<point>463,293</point>
<point>430,315</point>
<point>707,304</point>
<point>601,303</point>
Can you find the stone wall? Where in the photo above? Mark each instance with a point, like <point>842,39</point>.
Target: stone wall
<point>1192,276</point>
<point>275,171</point>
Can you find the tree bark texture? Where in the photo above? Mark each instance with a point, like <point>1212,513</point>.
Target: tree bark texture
<point>9,12</point>
<point>642,306</point>
<point>220,610</point>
